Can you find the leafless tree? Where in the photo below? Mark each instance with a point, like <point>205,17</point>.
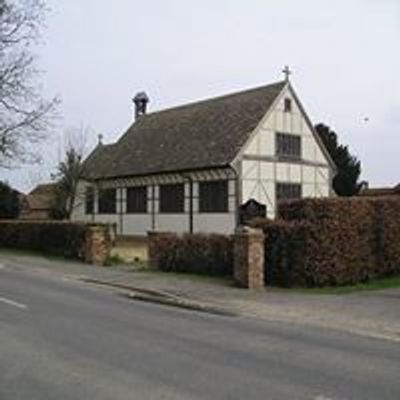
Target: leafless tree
<point>25,117</point>
<point>69,171</point>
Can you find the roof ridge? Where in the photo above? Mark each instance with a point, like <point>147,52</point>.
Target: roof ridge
<point>218,97</point>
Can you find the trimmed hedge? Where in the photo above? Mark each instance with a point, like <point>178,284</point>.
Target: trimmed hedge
<point>67,239</point>
<point>320,242</point>
<point>205,254</point>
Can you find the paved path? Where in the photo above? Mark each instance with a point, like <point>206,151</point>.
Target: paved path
<point>63,339</point>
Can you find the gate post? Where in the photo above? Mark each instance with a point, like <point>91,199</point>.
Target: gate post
<point>248,262</point>
<point>97,244</point>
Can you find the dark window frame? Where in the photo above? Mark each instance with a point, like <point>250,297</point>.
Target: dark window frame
<point>172,198</point>
<point>107,201</point>
<point>288,146</point>
<point>136,200</point>
<point>89,201</point>
<point>214,196</point>
<point>287,105</point>
<point>293,191</point>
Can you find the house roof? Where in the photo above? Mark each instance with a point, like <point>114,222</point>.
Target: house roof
<point>42,197</point>
<point>44,189</point>
<point>37,202</point>
<point>205,134</point>
<point>381,191</point>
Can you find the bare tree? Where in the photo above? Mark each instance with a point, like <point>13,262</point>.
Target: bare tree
<point>25,117</point>
<point>69,171</point>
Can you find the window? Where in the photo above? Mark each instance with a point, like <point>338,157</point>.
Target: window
<point>287,191</point>
<point>287,105</point>
<point>107,201</point>
<point>89,201</point>
<point>213,196</point>
<point>136,200</point>
<point>172,198</point>
<point>288,146</point>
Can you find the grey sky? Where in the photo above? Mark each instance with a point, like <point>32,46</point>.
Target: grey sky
<point>344,54</point>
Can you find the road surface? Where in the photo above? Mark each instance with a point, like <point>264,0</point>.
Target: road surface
<point>62,339</point>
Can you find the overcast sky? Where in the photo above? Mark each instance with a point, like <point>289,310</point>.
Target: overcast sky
<point>344,54</point>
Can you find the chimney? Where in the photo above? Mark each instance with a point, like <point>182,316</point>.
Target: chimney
<point>140,100</point>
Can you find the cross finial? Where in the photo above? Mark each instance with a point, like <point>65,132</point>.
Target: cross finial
<point>287,72</point>
<point>100,137</point>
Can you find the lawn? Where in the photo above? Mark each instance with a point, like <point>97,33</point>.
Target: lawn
<point>374,284</point>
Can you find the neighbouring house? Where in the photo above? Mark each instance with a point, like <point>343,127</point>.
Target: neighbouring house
<point>380,191</point>
<point>199,167</point>
<point>39,203</point>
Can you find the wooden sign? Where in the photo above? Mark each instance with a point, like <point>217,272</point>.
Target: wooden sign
<point>250,210</point>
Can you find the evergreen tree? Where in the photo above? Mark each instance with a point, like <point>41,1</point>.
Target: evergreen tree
<point>346,181</point>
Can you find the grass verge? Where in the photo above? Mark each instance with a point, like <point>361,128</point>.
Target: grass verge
<point>374,284</point>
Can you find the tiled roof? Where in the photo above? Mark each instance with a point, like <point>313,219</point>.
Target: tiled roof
<point>205,134</point>
<point>42,197</point>
<point>44,189</point>
<point>381,191</point>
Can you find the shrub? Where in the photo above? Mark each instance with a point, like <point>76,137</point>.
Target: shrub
<point>65,239</point>
<point>323,242</point>
<point>207,254</point>
<point>285,245</point>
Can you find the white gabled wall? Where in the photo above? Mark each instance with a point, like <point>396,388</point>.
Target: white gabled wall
<point>261,170</point>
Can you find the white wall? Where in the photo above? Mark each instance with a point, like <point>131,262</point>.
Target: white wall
<point>108,219</point>
<point>294,122</point>
<point>261,169</point>
<point>172,222</point>
<point>78,213</point>
<point>140,224</point>
<point>214,222</point>
<point>260,177</point>
<point>136,224</point>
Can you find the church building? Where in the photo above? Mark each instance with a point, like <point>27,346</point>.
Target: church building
<point>204,166</point>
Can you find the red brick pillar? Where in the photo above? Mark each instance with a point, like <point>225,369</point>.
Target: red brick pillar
<point>98,245</point>
<point>249,258</point>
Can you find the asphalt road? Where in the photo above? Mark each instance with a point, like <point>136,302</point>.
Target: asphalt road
<point>61,339</point>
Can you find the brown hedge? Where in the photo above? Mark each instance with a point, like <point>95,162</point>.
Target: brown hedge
<point>206,254</point>
<point>65,239</point>
<point>321,242</point>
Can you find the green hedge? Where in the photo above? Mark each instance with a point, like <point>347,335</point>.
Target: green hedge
<point>207,254</point>
<point>320,242</point>
<point>65,239</point>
